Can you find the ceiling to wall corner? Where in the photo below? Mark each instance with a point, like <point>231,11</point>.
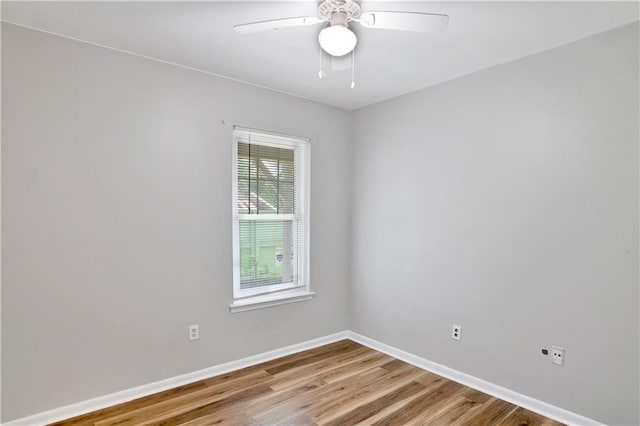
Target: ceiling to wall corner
<point>388,63</point>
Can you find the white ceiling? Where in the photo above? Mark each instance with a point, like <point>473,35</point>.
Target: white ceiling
<point>388,63</point>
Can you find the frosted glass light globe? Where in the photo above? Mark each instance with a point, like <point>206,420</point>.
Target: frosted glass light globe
<point>337,40</point>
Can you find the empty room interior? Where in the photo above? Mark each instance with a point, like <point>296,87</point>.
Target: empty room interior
<point>320,213</point>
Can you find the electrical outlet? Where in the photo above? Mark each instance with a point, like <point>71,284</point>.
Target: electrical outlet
<point>193,332</point>
<point>456,332</point>
<point>557,355</point>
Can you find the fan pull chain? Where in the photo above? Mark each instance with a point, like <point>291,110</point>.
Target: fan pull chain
<point>353,68</point>
<point>321,73</point>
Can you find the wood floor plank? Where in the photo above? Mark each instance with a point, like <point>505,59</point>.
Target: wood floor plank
<point>523,417</point>
<point>331,348</point>
<point>242,412</point>
<point>207,395</point>
<point>343,383</point>
<point>419,410</point>
<point>399,406</point>
<point>365,394</point>
<point>371,408</point>
<point>306,360</point>
<point>476,395</point>
<point>205,407</point>
<point>448,412</point>
<point>277,399</point>
<point>331,365</point>
<point>316,401</point>
<point>491,413</point>
<point>91,418</point>
<point>415,409</point>
<point>404,410</point>
<point>344,372</point>
<point>394,364</point>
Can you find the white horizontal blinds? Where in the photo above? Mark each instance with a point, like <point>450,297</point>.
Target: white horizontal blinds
<point>266,179</point>
<point>269,223</point>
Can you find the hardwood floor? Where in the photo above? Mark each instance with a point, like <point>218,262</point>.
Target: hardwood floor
<point>343,383</point>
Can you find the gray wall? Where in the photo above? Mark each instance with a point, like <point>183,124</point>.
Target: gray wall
<point>116,195</point>
<point>507,202</point>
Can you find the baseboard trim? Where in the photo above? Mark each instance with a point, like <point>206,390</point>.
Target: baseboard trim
<point>535,405</point>
<point>100,402</point>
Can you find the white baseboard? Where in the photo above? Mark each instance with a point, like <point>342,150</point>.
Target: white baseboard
<point>100,402</point>
<point>535,405</point>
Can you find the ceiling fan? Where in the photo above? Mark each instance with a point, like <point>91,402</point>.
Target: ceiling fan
<point>336,38</point>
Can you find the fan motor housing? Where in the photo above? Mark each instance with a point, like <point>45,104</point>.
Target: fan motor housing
<point>338,12</point>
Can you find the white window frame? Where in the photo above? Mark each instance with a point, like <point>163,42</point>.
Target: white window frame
<point>260,297</point>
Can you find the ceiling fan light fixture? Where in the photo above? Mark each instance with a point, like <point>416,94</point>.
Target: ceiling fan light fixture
<point>337,40</point>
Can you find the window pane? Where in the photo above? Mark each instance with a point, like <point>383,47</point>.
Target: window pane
<point>243,196</point>
<point>266,177</point>
<point>268,197</point>
<point>269,227</point>
<point>286,198</point>
<point>266,253</point>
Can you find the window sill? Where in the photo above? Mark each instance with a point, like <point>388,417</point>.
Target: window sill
<point>264,301</point>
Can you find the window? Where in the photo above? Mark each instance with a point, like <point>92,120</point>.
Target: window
<point>270,219</point>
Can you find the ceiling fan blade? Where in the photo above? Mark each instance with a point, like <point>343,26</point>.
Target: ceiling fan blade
<point>275,24</point>
<point>404,21</point>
